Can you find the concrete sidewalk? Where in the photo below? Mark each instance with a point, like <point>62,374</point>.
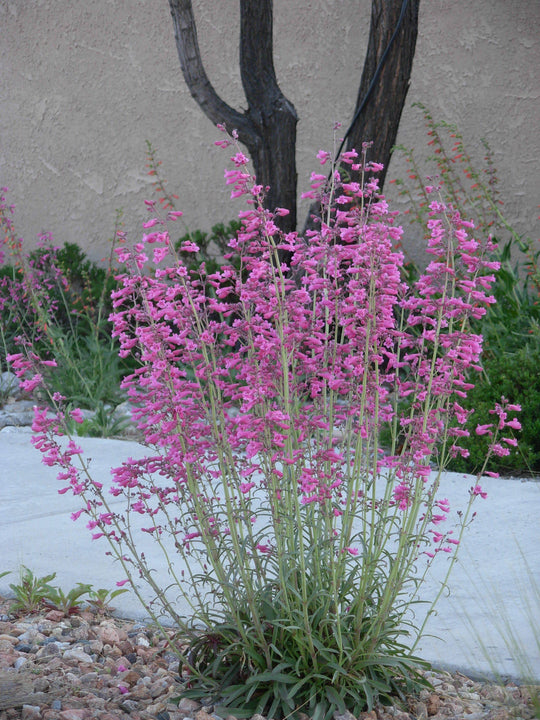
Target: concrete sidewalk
<point>490,588</point>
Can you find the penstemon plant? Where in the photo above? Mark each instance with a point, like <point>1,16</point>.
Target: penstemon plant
<point>296,538</point>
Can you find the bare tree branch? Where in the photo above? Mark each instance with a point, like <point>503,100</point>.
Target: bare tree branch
<point>200,87</point>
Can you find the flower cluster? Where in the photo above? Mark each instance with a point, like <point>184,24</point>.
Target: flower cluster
<point>294,403</point>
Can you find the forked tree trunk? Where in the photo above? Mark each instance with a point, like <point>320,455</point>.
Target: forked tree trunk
<point>268,127</point>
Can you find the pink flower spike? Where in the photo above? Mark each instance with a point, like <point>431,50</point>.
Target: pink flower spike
<point>121,583</point>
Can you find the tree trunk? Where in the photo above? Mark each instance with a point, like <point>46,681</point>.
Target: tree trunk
<point>383,86</point>
<point>268,127</point>
<point>273,116</point>
<point>381,96</point>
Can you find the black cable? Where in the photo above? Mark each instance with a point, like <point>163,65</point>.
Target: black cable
<point>375,76</point>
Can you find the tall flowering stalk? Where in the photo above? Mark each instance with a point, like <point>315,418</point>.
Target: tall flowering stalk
<point>294,535</point>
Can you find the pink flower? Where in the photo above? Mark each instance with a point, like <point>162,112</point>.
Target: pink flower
<point>477,490</point>
<point>77,415</point>
<point>402,496</point>
<point>499,450</point>
<point>484,429</point>
<point>323,156</point>
<point>30,385</point>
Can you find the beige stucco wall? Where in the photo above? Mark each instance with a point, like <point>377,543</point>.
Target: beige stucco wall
<point>84,84</point>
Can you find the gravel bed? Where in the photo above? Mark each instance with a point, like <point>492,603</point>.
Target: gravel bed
<point>88,666</point>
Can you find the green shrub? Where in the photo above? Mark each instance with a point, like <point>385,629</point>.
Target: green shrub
<point>56,301</point>
<point>514,375</point>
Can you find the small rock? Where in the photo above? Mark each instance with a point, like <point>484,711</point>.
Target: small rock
<point>47,651</point>
<point>9,383</point>
<point>129,706</point>
<point>160,687</point>
<point>203,715</point>
<point>23,647</point>
<point>344,716</point>
<point>9,638</point>
<point>76,655</point>
<point>187,706</point>
<point>88,678</point>
<point>73,714</point>
<point>94,646</point>
<point>497,714</point>
<point>130,677</point>
<point>433,704</point>
<point>5,646</point>
<point>31,712</point>
<point>31,636</point>
<point>41,685</point>
<point>108,634</point>
<point>420,710</point>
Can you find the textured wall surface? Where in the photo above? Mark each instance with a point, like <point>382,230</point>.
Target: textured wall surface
<point>84,84</point>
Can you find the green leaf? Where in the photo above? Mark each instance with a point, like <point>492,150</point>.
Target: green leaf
<point>335,698</point>
<point>271,676</point>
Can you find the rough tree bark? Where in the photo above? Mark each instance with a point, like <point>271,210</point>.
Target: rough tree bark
<point>382,92</point>
<point>268,127</point>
